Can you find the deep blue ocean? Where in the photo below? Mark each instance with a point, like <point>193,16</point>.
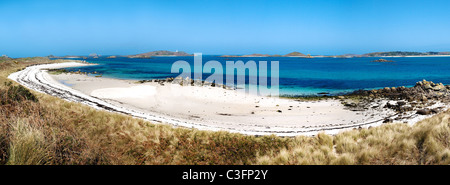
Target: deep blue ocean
<point>298,76</point>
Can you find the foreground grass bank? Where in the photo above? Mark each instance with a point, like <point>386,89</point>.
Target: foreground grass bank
<point>40,129</point>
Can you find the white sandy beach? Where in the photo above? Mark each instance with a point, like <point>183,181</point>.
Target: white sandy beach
<point>205,108</point>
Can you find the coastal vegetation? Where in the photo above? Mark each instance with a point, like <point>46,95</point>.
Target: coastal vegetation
<point>37,128</point>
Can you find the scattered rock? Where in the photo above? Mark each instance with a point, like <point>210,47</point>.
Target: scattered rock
<point>439,87</point>
<point>423,91</point>
<point>401,103</point>
<point>387,120</point>
<point>427,86</point>
<point>435,110</point>
<point>424,111</point>
<point>405,108</point>
<point>424,98</point>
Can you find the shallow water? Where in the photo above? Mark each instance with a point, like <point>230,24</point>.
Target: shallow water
<point>298,76</point>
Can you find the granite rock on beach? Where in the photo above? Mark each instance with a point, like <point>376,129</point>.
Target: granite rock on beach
<point>186,82</point>
<point>401,99</point>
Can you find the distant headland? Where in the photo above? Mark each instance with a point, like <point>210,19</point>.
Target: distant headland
<point>160,53</point>
<point>373,54</point>
<point>293,54</point>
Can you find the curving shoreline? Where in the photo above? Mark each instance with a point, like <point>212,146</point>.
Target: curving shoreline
<point>36,78</point>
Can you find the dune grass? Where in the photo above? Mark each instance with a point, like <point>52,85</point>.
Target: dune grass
<point>428,142</point>
<point>27,144</point>
<point>48,130</point>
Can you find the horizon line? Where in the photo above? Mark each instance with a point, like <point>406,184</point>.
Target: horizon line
<point>254,53</point>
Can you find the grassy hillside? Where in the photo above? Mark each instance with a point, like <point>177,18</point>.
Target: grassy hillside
<point>40,129</point>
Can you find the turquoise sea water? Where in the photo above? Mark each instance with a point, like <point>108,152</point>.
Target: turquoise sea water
<point>298,76</point>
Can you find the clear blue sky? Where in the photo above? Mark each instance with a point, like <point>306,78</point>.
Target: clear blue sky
<point>41,28</point>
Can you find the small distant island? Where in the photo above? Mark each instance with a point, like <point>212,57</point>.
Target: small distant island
<point>4,57</point>
<point>382,60</point>
<point>252,55</point>
<point>94,55</point>
<point>295,54</point>
<point>292,54</point>
<point>160,53</point>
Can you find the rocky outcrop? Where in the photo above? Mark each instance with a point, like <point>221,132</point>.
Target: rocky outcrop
<point>401,99</point>
<point>422,91</point>
<point>187,82</point>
